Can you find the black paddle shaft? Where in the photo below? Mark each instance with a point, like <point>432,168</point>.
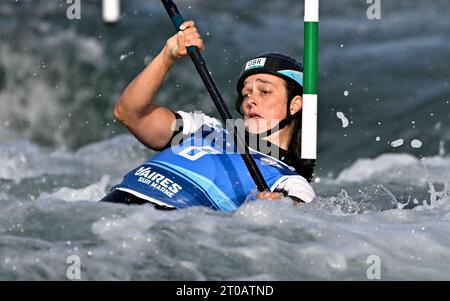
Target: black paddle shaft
<point>203,71</point>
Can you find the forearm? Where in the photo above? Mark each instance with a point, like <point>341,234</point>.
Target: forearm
<point>152,124</point>
<point>137,99</point>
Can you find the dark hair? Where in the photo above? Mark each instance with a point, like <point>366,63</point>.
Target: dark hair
<point>294,151</point>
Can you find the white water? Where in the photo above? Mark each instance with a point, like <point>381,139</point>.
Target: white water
<point>356,215</point>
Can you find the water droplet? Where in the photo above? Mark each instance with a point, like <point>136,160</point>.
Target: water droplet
<point>342,117</point>
<point>416,143</point>
<point>397,143</point>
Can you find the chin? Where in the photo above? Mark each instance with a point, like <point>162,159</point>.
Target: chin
<point>260,125</point>
<point>254,131</point>
<point>256,126</point>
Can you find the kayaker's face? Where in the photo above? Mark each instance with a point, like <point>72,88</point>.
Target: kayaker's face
<point>264,102</point>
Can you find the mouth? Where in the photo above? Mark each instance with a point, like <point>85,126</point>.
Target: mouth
<point>254,115</point>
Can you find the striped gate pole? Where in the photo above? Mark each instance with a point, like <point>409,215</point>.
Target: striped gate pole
<point>111,11</point>
<point>309,111</point>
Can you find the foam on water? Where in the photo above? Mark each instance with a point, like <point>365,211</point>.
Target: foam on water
<point>364,169</point>
<point>28,170</point>
<point>264,240</point>
<point>22,159</point>
<point>330,238</point>
<point>92,192</point>
<point>403,168</point>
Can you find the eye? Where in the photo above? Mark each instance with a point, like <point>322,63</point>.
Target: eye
<point>245,94</point>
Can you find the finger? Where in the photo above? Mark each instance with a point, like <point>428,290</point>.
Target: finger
<point>181,43</point>
<point>191,35</point>
<point>187,24</point>
<point>195,42</point>
<point>263,195</point>
<point>190,31</point>
<point>201,46</point>
<point>272,195</point>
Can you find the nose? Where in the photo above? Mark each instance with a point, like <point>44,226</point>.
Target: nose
<point>251,101</point>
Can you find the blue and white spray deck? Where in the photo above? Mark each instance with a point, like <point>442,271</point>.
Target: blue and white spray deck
<point>204,169</point>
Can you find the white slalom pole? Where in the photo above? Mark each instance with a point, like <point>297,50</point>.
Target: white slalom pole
<point>111,11</point>
<point>309,114</point>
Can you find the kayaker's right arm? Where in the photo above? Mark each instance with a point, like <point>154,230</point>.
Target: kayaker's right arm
<point>152,124</point>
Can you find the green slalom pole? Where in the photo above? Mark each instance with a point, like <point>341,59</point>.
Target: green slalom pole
<point>309,111</point>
